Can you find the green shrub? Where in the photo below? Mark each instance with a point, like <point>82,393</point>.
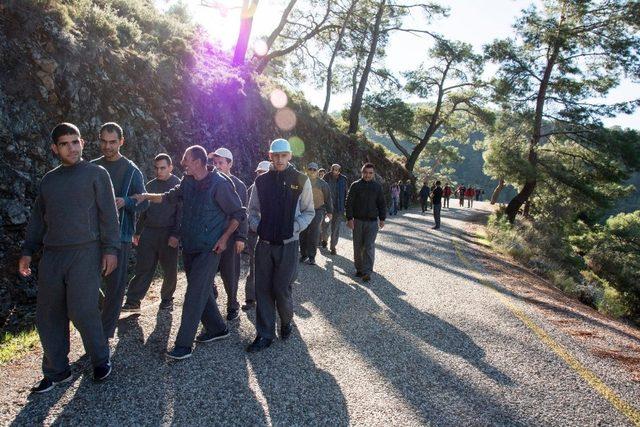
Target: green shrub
<point>128,32</point>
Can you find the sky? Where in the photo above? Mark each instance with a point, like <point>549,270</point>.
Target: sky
<point>472,21</point>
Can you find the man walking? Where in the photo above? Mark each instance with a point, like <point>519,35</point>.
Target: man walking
<point>424,196</point>
<point>156,238</point>
<point>211,212</point>
<point>252,239</point>
<point>366,212</point>
<point>407,195</point>
<point>280,207</point>
<point>446,194</point>
<point>323,206</point>
<point>338,189</point>
<point>127,180</point>
<point>229,265</point>
<point>75,221</point>
<point>436,199</point>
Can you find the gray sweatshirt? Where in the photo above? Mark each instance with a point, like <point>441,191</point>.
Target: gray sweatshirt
<point>241,232</point>
<point>75,206</point>
<point>161,215</point>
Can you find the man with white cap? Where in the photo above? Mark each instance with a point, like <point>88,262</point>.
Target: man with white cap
<point>280,207</point>
<point>229,266</point>
<point>252,238</point>
<point>323,205</point>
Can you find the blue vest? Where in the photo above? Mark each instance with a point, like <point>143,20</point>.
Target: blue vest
<point>278,193</point>
<point>203,221</point>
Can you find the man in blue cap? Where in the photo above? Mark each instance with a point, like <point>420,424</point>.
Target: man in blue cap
<point>280,207</point>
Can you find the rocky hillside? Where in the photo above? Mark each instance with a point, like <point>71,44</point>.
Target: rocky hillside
<point>92,61</point>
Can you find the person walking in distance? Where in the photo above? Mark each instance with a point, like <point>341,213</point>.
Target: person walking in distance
<point>75,223</point>
<point>366,213</point>
<point>280,207</point>
<point>211,212</point>
<point>338,188</point>
<point>229,265</point>
<point>461,192</point>
<point>127,180</point>
<point>323,205</point>
<point>395,198</point>
<point>156,240</point>
<point>436,198</point>
<point>446,195</point>
<point>407,194</point>
<point>424,196</point>
<point>321,173</point>
<point>252,239</point>
<point>470,193</point>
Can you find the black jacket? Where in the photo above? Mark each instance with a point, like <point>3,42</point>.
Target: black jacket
<point>365,201</point>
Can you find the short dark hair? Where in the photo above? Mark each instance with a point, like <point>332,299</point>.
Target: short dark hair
<point>198,153</point>
<point>111,127</point>
<point>438,183</point>
<point>163,156</point>
<point>368,166</point>
<point>62,129</point>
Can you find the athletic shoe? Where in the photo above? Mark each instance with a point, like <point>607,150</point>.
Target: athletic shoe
<point>285,331</point>
<point>233,314</point>
<point>46,384</point>
<point>131,307</point>
<point>303,258</point>
<point>323,243</point>
<point>249,305</point>
<point>259,344</point>
<point>101,372</point>
<point>179,353</point>
<point>166,304</point>
<point>207,337</point>
<point>334,252</point>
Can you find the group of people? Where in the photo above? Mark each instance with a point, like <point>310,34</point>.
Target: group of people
<point>88,215</point>
<point>468,193</point>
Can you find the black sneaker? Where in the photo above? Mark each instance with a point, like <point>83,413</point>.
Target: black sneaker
<point>334,252</point>
<point>285,331</point>
<point>101,372</point>
<point>232,314</point>
<point>46,384</point>
<point>207,337</point>
<point>131,307</point>
<point>323,243</point>
<point>303,258</point>
<point>166,304</point>
<point>311,261</point>
<point>179,353</point>
<point>249,305</point>
<point>259,344</point>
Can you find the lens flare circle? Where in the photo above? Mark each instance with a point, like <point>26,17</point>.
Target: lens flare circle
<point>285,119</point>
<point>278,98</point>
<point>297,146</point>
<point>260,47</point>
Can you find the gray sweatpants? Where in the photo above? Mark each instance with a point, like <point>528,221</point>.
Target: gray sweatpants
<point>334,227</point>
<point>152,248</point>
<point>276,269</point>
<point>229,268</point>
<point>115,286</point>
<point>68,289</point>
<point>364,241</point>
<point>199,303</point>
<point>309,237</point>
<point>250,286</point>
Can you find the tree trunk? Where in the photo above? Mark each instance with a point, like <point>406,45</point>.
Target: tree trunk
<point>327,98</point>
<point>356,106</point>
<point>527,208</point>
<point>497,191</point>
<point>246,22</point>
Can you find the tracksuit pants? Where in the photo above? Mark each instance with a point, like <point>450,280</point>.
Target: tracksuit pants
<point>364,239</point>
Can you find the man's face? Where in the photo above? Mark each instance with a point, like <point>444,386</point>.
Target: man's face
<point>222,164</point>
<point>312,173</point>
<point>69,149</point>
<point>189,165</point>
<point>280,160</point>
<point>163,169</point>
<point>110,145</point>
<point>367,174</point>
<point>335,171</point>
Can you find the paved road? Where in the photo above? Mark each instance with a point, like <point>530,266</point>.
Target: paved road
<point>444,334</point>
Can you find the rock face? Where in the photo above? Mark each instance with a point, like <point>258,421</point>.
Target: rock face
<point>165,100</point>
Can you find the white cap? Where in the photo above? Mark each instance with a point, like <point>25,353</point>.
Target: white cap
<point>264,165</point>
<point>223,152</point>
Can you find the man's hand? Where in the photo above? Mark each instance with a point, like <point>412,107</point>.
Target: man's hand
<point>136,239</point>
<point>119,202</point>
<point>139,198</point>
<point>381,224</point>
<point>24,266</point>
<point>239,247</point>
<point>221,245</point>
<point>350,224</point>
<point>173,242</point>
<point>109,263</point>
